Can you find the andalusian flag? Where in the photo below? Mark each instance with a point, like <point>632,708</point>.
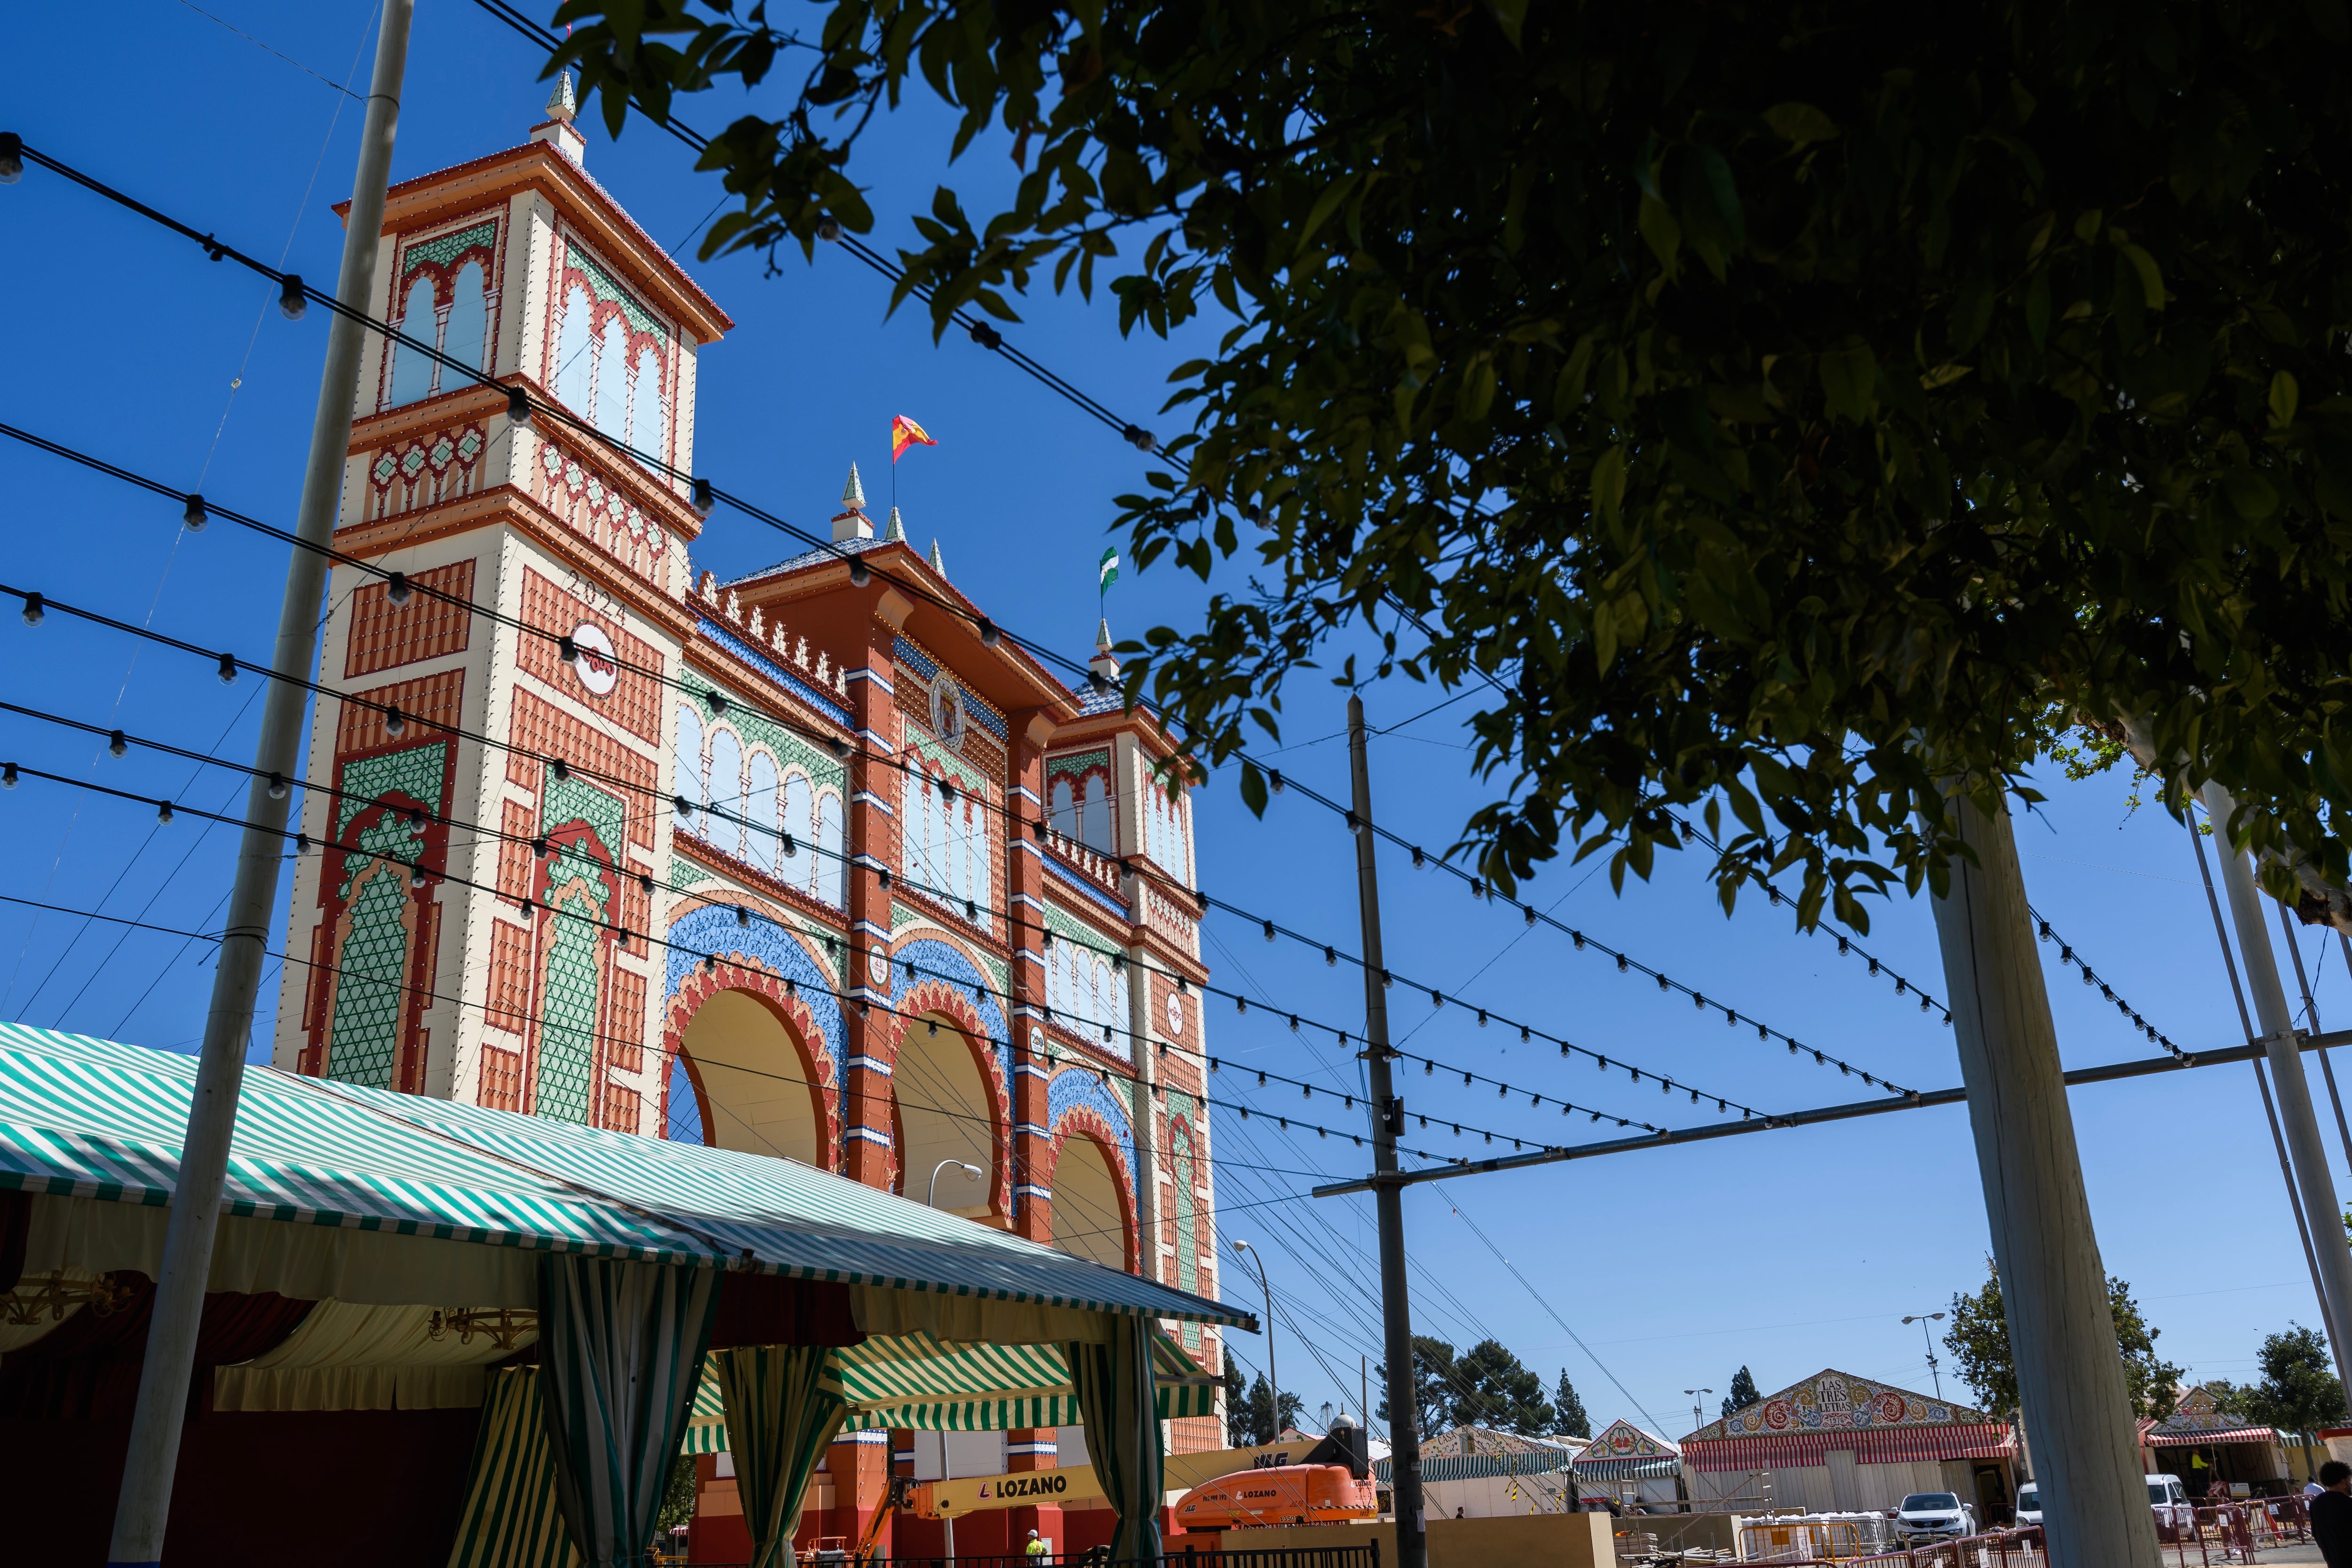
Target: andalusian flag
<point>905,433</point>
<point>1107,571</point>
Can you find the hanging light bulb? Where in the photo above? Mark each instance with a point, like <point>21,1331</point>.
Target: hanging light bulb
<point>742,916</point>
<point>706,498</point>
<point>989,636</point>
<point>518,405</point>
<point>117,743</point>
<point>859,575</point>
<point>393,724</point>
<point>8,776</point>
<point>11,158</point>
<point>417,876</point>
<point>193,517</point>
<point>162,811</point>
<point>828,229</point>
<point>228,670</point>
<point>291,301</point>
<point>33,609</point>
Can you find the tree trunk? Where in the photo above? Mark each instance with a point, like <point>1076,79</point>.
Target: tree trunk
<point>2069,1370</point>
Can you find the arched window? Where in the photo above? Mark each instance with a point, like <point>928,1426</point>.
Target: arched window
<point>1065,809</point>
<point>828,838</point>
<point>689,785</point>
<point>726,825</point>
<point>800,819</point>
<point>470,321</point>
<point>612,415</point>
<point>1095,822</point>
<point>759,807</point>
<point>645,421</point>
<point>412,373</point>
<point>572,365</point>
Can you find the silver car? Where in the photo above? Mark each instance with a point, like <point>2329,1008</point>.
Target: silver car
<point>1934,1516</point>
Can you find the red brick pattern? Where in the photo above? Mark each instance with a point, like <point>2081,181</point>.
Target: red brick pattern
<point>510,999</point>
<point>635,702</point>
<point>501,1078</point>
<point>430,701</point>
<point>540,729</point>
<point>384,635</point>
<point>620,1109</point>
<point>514,852</point>
<point>628,1021</point>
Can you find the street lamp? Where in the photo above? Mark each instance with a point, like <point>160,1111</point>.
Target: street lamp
<point>930,1198</point>
<point>1698,1411</point>
<point>1923,1319</point>
<point>1274,1385</point>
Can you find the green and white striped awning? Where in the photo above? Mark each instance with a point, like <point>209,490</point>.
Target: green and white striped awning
<point>87,1118</point>
<point>916,1382</point>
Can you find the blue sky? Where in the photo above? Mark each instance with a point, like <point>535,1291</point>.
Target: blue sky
<point>1786,1251</point>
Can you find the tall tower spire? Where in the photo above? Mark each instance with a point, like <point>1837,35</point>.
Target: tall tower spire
<point>557,131</point>
<point>850,521</point>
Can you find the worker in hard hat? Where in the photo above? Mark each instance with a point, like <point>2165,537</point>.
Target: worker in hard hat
<point>1038,1549</point>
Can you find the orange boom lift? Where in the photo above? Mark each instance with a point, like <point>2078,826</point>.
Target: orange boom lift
<point>1332,1484</point>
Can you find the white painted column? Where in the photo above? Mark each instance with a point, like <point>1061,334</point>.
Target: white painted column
<point>2062,1333</point>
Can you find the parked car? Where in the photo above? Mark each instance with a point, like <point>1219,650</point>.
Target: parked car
<point>2165,1495</point>
<point>1934,1516</point>
<point>2170,1500</point>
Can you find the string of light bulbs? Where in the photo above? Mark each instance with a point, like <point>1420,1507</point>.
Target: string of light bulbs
<point>521,408</point>
<point>120,742</point>
<point>1626,962</point>
<point>36,606</point>
<point>427,995</point>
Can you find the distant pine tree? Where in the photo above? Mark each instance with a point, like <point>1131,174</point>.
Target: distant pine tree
<point>1569,1410</point>
<point>1743,1392</point>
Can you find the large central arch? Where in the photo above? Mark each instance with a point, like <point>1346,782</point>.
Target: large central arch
<point>944,1112</point>
<point>757,1089</point>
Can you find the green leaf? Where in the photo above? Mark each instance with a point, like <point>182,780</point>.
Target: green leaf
<point>1510,15</point>
<point>2284,394</point>
<point>1254,789</point>
<point>2151,281</point>
<point>1609,483</point>
<point>1849,382</point>
<point>1799,123</point>
<point>1663,233</point>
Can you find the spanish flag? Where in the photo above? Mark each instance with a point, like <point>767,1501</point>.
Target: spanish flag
<point>905,433</point>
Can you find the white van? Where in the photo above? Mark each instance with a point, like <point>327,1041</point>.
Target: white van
<point>2165,1495</point>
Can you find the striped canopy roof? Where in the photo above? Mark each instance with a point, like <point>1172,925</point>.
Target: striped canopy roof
<point>914,1382</point>
<point>87,1118</point>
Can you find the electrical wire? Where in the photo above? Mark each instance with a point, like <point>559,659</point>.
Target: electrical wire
<point>37,604</point>
<point>844,750</point>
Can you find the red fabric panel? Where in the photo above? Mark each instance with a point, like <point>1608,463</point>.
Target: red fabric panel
<point>358,1488</point>
<point>769,1309</point>
<point>88,1367</point>
<point>16,1224</point>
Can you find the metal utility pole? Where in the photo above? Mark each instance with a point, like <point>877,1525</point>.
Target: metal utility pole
<point>1923,1319</point>
<point>2313,1180</point>
<point>1387,1198</point>
<point>2054,1289</point>
<point>146,1497</point>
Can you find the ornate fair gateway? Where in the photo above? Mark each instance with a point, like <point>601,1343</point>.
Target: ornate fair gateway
<point>860,889</point>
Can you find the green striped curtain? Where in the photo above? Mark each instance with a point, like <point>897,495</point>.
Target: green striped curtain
<point>1117,1404</point>
<point>620,1352</point>
<point>510,1518</point>
<point>782,1412</point>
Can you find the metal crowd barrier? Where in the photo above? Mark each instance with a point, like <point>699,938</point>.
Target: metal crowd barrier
<point>2209,1536</point>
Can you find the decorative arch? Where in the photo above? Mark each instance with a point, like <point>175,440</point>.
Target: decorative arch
<point>790,1009</point>
<point>1087,1125</point>
<point>1078,1100</point>
<point>945,967</point>
<point>772,962</point>
<point>957,1011</point>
